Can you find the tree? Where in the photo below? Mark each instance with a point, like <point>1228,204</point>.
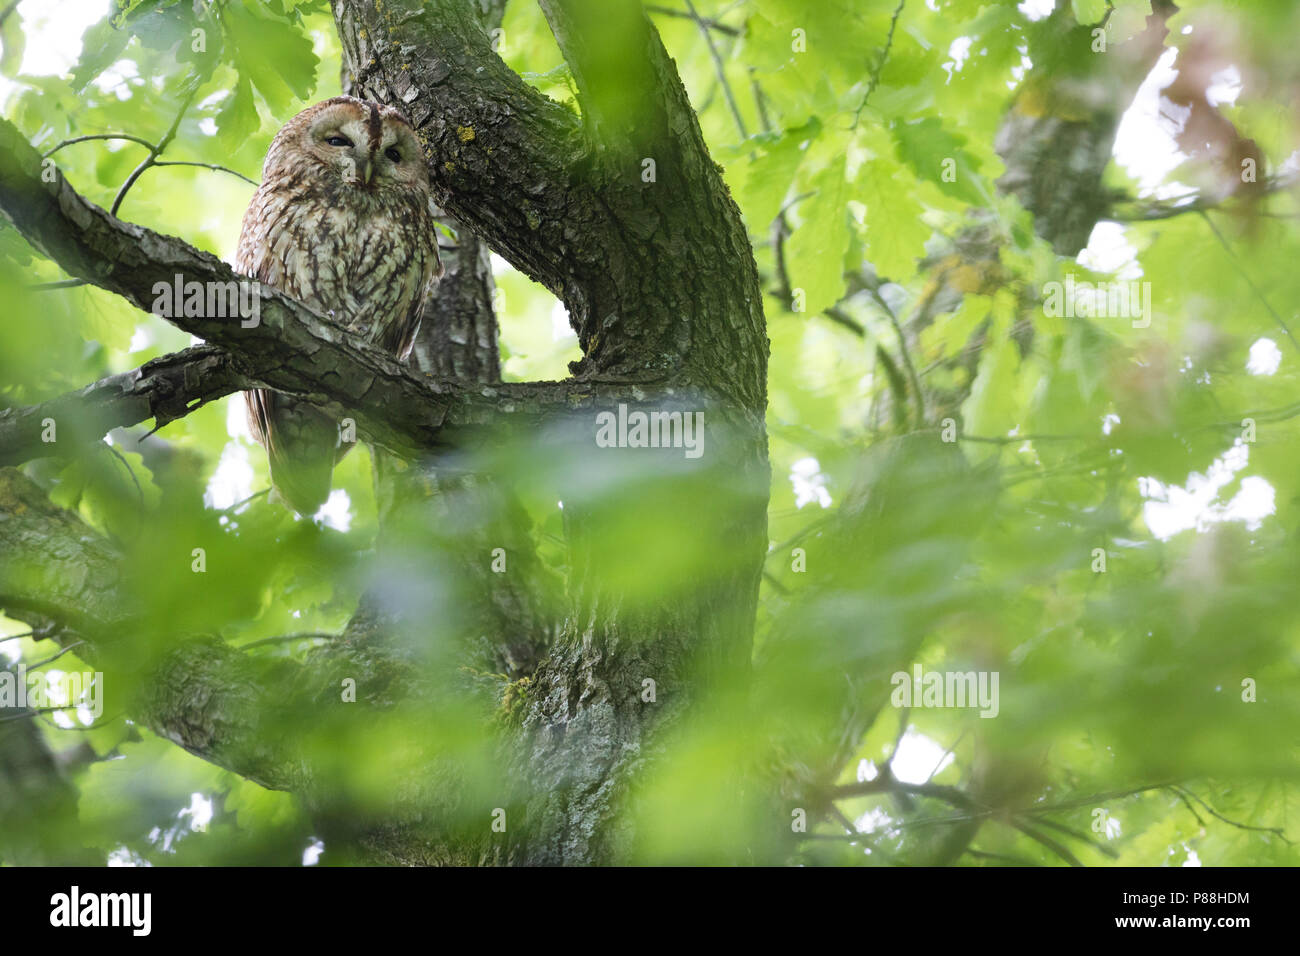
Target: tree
<point>547,650</point>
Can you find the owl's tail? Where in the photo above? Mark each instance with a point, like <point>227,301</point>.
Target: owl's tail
<point>301,444</point>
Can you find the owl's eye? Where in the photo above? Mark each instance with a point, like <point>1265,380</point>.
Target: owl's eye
<point>392,153</point>
<point>338,141</point>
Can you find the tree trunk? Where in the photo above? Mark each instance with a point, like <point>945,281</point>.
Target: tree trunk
<point>663,292</point>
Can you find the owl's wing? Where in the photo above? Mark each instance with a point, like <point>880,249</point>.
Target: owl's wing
<point>252,259</point>
<point>257,402</point>
<point>300,440</point>
<point>399,337</point>
<point>302,447</point>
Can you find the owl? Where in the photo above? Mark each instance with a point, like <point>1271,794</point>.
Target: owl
<point>343,223</point>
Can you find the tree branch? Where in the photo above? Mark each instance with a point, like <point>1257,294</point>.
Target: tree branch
<point>166,389</point>
<point>199,693</point>
<point>588,208</point>
<point>289,347</point>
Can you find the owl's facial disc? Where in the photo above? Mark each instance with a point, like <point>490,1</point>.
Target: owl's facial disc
<point>366,146</point>
<point>340,141</point>
<point>399,161</point>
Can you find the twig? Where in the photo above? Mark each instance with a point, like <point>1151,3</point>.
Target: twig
<point>798,536</point>
<point>919,421</point>
<point>82,139</point>
<point>1156,211</point>
<point>773,580</point>
<point>1092,800</point>
<point>60,284</point>
<point>903,716</point>
<point>887,783</point>
<point>154,150</point>
<point>84,728</point>
<point>844,821</point>
<point>214,166</point>
<point>1081,836</point>
<point>1188,803</point>
<point>946,754</point>
<point>1276,831</point>
<point>706,22</point>
<point>129,470</point>
<point>27,715</point>
<point>1249,281</point>
<point>239,504</point>
<point>286,638</point>
<point>1001,858</point>
<point>784,291</point>
<point>1048,842</point>
<point>840,317</point>
<point>721,70</point>
<point>914,379</point>
<point>874,80</point>
<point>154,153</point>
<point>1013,439</point>
<point>54,657</point>
<point>759,102</point>
<point>781,229</point>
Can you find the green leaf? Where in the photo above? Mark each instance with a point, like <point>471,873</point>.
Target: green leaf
<point>895,232</point>
<point>767,46</point>
<point>11,38</point>
<point>950,333</point>
<point>127,8</point>
<point>938,157</point>
<point>993,409</point>
<point>273,53</point>
<point>1089,12</point>
<point>13,247</point>
<point>101,45</point>
<point>255,806</point>
<point>238,118</point>
<point>815,251</point>
<point>770,175</point>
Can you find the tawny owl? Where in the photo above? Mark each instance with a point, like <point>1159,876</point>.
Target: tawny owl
<point>342,222</point>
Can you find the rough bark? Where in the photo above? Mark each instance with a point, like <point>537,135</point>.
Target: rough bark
<point>564,199</point>
<point>165,389</point>
<point>662,289</point>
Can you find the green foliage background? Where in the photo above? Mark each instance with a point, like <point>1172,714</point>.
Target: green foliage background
<point>1111,682</point>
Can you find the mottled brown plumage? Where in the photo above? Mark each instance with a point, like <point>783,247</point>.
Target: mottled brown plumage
<point>342,222</point>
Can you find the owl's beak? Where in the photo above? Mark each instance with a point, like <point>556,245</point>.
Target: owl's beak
<point>364,168</point>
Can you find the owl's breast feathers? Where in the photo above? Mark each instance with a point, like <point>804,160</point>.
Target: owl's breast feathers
<point>364,260</point>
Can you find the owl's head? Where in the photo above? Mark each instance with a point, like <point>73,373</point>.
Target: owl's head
<point>351,143</point>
